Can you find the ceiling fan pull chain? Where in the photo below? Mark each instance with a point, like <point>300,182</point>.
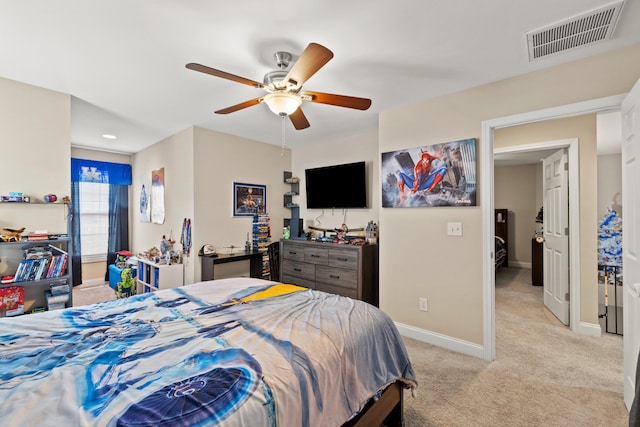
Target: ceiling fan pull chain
<point>284,144</point>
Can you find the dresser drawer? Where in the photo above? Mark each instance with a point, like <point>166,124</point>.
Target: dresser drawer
<point>343,259</point>
<point>298,269</point>
<point>293,252</point>
<point>300,281</point>
<point>316,255</point>
<point>341,277</point>
<point>345,292</point>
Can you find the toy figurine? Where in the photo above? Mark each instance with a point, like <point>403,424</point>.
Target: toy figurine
<point>11,235</point>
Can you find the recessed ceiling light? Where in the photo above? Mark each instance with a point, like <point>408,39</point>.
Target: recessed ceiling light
<point>108,136</point>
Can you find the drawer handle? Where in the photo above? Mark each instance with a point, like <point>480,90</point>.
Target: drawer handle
<point>297,269</point>
<point>293,253</point>
<point>342,259</point>
<point>334,277</point>
<point>315,256</point>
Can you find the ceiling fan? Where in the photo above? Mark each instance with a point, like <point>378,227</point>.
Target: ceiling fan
<point>284,88</point>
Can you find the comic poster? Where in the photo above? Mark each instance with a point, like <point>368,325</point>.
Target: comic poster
<point>431,175</point>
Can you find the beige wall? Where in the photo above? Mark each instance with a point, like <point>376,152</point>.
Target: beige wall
<point>219,161</point>
<point>200,168</point>
<point>363,147</point>
<point>417,257</point>
<point>175,155</point>
<point>609,183</point>
<point>35,133</point>
<point>515,188</point>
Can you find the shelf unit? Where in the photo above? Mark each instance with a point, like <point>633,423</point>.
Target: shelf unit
<point>12,254</point>
<point>295,222</point>
<point>261,232</point>
<point>153,277</point>
<point>261,240</point>
<point>36,215</point>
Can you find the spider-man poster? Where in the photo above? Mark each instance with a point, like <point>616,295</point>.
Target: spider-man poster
<point>431,175</point>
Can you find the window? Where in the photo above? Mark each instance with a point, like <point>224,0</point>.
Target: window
<point>94,221</point>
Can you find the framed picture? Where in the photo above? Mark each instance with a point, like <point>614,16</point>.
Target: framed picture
<point>431,175</point>
<point>249,199</point>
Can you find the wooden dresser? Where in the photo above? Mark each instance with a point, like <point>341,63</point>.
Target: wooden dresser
<point>346,270</point>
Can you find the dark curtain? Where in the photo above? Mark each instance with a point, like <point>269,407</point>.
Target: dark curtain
<point>118,223</point>
<point>76,258</point>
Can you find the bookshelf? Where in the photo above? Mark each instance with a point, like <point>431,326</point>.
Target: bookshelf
<point>42,275</point>
<point>154,277</point>
<point>39,290</point>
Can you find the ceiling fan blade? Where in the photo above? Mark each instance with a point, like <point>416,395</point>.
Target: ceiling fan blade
<point>338,100</point>
<point>310,61</point>
<point>299,120</point>
<point>240,106</point>
<point>223,74</point>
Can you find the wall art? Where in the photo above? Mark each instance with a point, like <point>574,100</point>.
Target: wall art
<point>249,199</point>
<point>431,175</point>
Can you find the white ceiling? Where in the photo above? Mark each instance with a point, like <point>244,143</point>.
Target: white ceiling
<point>123,61</point>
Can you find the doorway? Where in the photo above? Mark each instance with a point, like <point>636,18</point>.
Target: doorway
<point>487,203</point>
<point>535,154</point>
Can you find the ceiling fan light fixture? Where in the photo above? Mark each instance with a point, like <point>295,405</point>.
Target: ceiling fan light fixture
<point>282,103</point>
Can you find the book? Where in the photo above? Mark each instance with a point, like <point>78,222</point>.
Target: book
<point>33,237</point>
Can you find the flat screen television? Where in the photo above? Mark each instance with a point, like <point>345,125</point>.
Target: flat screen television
<point>338,186</point>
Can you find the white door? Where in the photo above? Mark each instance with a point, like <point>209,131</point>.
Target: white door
<point>630,238</point>
<point>555,223</point>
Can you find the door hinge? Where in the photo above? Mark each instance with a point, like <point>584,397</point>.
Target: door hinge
<point>566,166</point>
<point>566,231</point>
<point>566,296</point>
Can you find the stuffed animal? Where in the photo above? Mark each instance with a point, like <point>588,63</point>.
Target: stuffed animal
<point>11,235</point>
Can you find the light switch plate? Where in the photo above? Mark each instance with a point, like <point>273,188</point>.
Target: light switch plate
<point>454,228</point>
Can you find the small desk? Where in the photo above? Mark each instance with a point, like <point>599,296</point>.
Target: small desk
<point>208,262</point>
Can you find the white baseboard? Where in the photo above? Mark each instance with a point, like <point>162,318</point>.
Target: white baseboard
<point>469,348</point>
<point>440,340</point>
<point>520,264</point>
<point>93,282</point>
<point>591,329</point>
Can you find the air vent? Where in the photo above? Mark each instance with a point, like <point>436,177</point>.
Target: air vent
<point>587,28</point>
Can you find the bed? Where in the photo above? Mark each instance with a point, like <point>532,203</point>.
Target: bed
<point>501,252</point>
<point>228,352</point>
<point>501,238</point>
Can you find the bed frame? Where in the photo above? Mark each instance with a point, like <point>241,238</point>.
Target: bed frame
<point>502,231</point>
<point>386,411</point>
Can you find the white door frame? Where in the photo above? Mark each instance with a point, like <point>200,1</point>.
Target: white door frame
<point>486,201</point>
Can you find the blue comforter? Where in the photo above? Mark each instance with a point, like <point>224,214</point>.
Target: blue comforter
<point>231,352</point>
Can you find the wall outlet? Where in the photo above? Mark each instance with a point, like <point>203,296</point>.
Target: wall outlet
<point>422,304</point>
<point>454,228</point>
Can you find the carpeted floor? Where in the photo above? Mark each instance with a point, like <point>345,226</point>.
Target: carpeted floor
<point>92,293</point>
<point>544,374</point>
